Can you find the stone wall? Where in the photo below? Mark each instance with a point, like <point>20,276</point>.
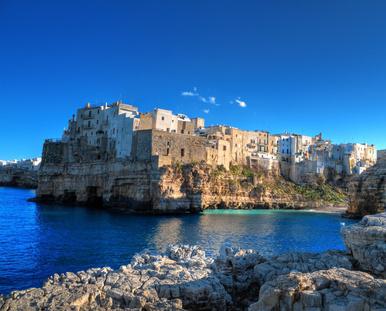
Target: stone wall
<point>178,147</point>
<point>53,152</point>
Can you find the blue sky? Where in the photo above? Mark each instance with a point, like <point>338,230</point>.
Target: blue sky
<point>299,66</point>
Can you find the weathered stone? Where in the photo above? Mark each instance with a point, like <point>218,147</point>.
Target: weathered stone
<point>300,262</point>
<point>347,290</point>
<point>367,192</point>
<point>143,186</point>
<point>367,243</point>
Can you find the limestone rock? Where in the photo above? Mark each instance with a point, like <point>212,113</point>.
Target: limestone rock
<point>18,177</point>
<point>367,192</point>
<point>138,186</point>
<point>180,279</point>
<point>235,269</point>
<point>367,243</point>
<point>300,262</point>
<point>333,289</point>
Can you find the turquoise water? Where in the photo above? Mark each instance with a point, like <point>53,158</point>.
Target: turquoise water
<point>37,241</point>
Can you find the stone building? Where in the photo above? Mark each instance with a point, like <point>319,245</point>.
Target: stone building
<point>168,147</point>
<point>331,161</point>
<point>243,144</point>
<point>295,147</point>
<point>119,131</point>
<point>165,120</point>
<point>109,129</point>
<point>273,144</point>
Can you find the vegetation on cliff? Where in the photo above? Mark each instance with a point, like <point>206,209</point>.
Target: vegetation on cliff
<point>244,187</point>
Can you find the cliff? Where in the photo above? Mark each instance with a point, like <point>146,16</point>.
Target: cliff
<point>367,192</point>
<point>142,186</point>
<point>184,278</point>
<point>18,177</point>
<point>242,187</point>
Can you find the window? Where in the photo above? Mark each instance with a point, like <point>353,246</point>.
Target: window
<point>89,113</point>
<point>89,123</point>
<point>162,118</point>
<point>224,148</point>
<point>97,121</point>
<point>167,151</point>
<point>182,152</point>
<point>182,131</point>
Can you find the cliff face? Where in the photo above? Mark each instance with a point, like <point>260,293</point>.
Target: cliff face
<point>142,186</point>
<point>241,187</point>
<point>367,192</point>
<point>17,177</point>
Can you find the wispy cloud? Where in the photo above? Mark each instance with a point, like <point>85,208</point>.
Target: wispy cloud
<point>208,100</point>
<point>194,93</point>
<point>190,93</point>
<point>239,102</point>
<point>206,111</point>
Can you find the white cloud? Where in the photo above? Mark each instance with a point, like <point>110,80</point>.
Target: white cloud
<point>189,93</point>
<point>207,100</point>
<point>240,102</point>
<point>206,111</point>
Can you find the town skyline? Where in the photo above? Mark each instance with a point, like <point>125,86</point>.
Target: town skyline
<point>238,102</point>
<point>305,68</point>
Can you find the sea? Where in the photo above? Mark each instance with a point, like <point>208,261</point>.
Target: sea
<point>38,240</point>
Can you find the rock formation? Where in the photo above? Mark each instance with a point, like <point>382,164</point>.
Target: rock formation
<point>367,192</point>
<point>184,278</point>
<point>141,186</point>
<point>18,177</point>
<point>367,243</point>
<point>333,289</point>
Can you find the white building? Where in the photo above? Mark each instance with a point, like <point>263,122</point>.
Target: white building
<point>113,125</point>
<point>27,164</point>
<point>294,147</point>
<point>165,120</point>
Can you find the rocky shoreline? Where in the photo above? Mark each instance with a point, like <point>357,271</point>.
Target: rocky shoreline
<point>184,278</point>
<point>20,178</point>
<point>141,187</point>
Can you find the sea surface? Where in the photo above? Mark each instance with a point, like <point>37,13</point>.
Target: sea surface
<point>37,240</point>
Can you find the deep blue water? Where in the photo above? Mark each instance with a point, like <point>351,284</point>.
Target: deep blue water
<point>36,241</point>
